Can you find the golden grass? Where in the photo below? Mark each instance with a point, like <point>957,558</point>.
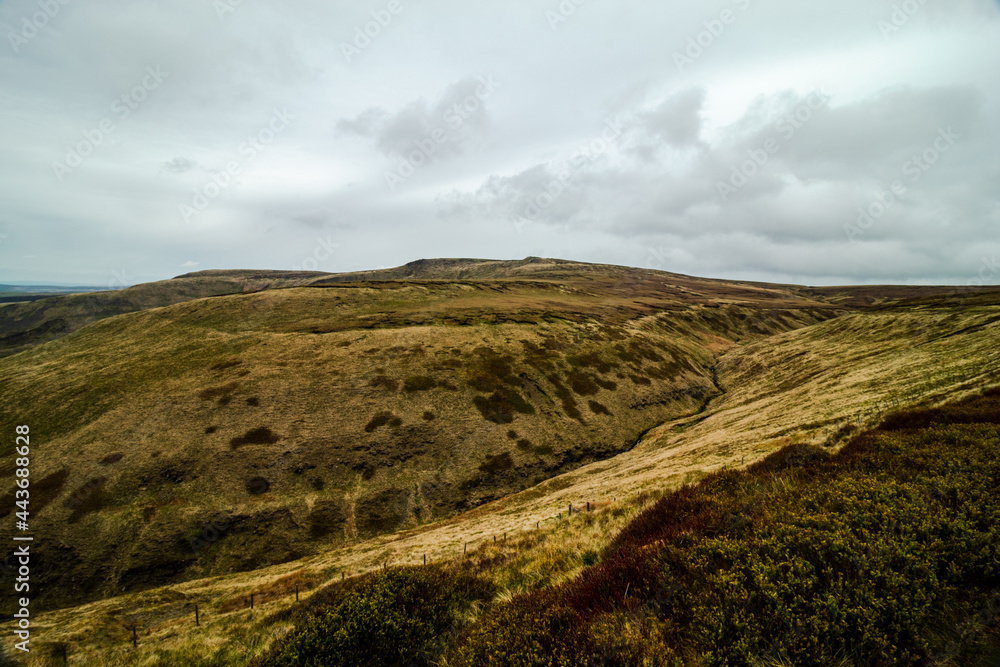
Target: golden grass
<point>801,386</point>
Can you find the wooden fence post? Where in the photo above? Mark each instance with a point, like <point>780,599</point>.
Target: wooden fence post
<point>197,619</point>
<point>135,637</point>
<point>425,559</point>
<point>297,592</point>
<point>251,601</point>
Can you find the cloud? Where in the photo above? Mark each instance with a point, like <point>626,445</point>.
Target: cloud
<point>676,121</point>
<point>459,113</point>
<point>521,168</point>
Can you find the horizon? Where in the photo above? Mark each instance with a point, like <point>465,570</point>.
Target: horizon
<point>28,283</point>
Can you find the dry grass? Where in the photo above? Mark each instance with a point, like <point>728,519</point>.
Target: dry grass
<point>801,386</point>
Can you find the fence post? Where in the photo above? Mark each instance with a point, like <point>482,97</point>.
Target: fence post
<point>466,549</point>
<point>425,559</point>
<point>197,619</point>
<point>251,601</point>
<point>588,505</point>
<point>135,637</point>
<point>570,512</point>
<point>296,592</point>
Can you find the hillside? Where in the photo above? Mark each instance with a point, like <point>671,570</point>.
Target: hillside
<point>337,426</point>
<point>24,325</point>
<point>312,416</point>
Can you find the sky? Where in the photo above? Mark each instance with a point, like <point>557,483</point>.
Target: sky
<point>819,143</point>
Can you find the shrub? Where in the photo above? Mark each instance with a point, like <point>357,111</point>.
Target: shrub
<point>384,382</point>
<point>398,617</point>
<point>530,630</point>
<point>497,464</point>
<point>598,408</point>
<point>257,436</point>
<point>216,392</point>
<point>419,383</point>
<point>501,406</point>
<point>383,419</point>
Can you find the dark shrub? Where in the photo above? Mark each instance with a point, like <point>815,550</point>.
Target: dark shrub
<point>401,617</point>
<point>383,419</point>
<point>419,383</point>
<point>257,436</point>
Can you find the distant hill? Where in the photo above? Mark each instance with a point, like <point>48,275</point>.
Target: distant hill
<point>47,317</point>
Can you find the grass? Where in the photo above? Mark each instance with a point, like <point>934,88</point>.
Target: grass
<point>321,352</point>
<point>885,553</point>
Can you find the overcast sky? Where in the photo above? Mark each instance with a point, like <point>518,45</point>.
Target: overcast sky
<point>809,142</point>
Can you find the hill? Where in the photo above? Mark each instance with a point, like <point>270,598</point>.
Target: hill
<point>295,434</point>
<point>24,325</point>
<point>312,416</point>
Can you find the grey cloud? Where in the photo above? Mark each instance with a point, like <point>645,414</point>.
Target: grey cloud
<point>655,187</point>
<point>459,112</point>
<point>676,121</point>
